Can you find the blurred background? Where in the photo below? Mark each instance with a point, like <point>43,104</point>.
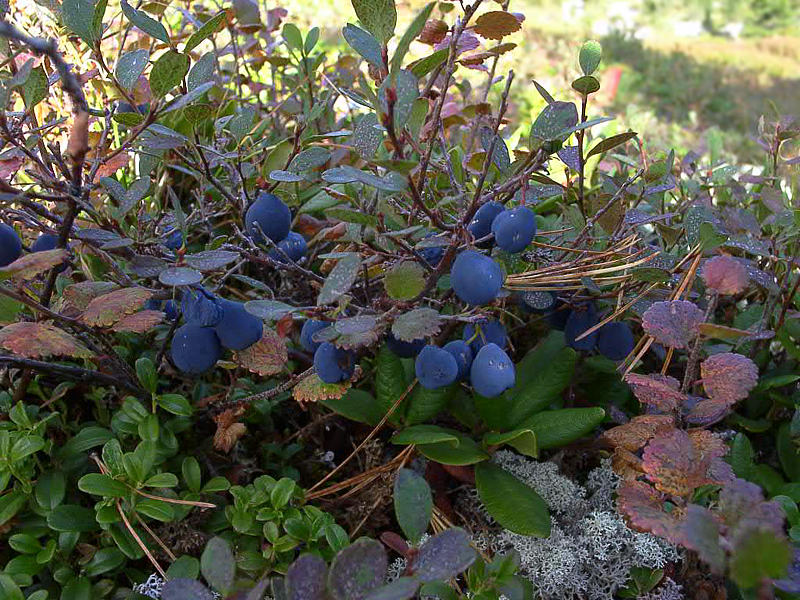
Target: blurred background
<point>687,74</point>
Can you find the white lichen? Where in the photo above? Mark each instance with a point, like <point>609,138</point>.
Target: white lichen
<point>590,551</point>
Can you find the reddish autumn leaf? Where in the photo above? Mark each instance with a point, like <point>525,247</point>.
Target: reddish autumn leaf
<point>744,510</point>
<point>468,41</point>
<point>626,464</point>
<point>28,266</point>
<point>107,309</point>
<point>659,391</point>
<point>707,412</point>
<point>139,322</point>
<point>229,430</point>
<point>266,357</point>
<point>678,463</point>
<point>728,376</point>
<point>645,510</point>
<point>313,389</point>
<point>673,323</point>
<point>725,274</point>
<point>10,166</point>
<point>634,434</point>
<point>40,340</point>
<point>284,325</point>
<point>433,32</point>
<point>497,24</point>
<point>113,165</point>
<point>78,295</point>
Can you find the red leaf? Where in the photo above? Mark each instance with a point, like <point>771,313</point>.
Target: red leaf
<point>728,376</point>
<point>496,24</point>
<point>266,357</point>
<point>644,508</point>
<point>28,266</point>
<point>107,309</point>
<point>229,430</point>
<point>113,165</point>
<point>634,434</point>
<point>725,274</point>
<point>40,340</point>
<point>673,323</point>
<point>659,391</point>
<point>10,166</point>
<point>139,322</point>
<point>708,412</point>
<point>313,389</point>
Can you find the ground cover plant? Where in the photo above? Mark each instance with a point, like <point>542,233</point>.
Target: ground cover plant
<point>291,320</point>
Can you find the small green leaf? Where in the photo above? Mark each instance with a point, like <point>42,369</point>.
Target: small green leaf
<point>70,517</point>
<point>162,480</point>
<point>760,555</point>
<point>130,66</point>
<point>523,440</point>
<point>83,18</point>
<point>99,484</point>
<point>413,504</point>
<point>467,452</point>
<point>611,142</point>
<point>146,373</point>
<point>175,404</point>
<point>206,30</point>
<point>590,55</point>
<point>510,502</point>
<point>555,428</point>
<point>340,279</point>
<point>379,17</point>
<point>404,280</point>
<point>364,43</point>
<point>586,85</point>
<point>145,22</point>
<point>425,434</point>
<point>293,37</point>
<point>190,469</point>
<point>168,71</point>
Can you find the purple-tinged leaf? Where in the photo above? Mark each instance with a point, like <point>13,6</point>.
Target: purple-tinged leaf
<point>702,536</point>
<point>305,578</point>
<point>728,376</point>
<point>358,569</point>
<point>644,507</point>
<point>708,412</point>
<point>659,391</point>
<point>401,588</point>
<point>185,589</point>
<point>672,323</point>
<point>725,275</point>
<point>444,556</point>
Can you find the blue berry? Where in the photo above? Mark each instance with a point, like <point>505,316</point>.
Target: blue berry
<point>404,349</point>
<point>476,279</point>
<point>435,368</point>
<point>514,229</point>
<point>463,355</point>
<point>485,332</point>
<point>615,340</point>
<point>195,349</point>
<point>432,254</point>
<point>201,307</point>
<point>46,241</point>
<point>579,320</point>
<point>492,371</point>
<point>10,245</point>
<point>557,318</point>
<point>333,364</point>
<point>173,238</point>
<point>310,327</point>
<point>293,245</point>
<point>271,215</point>
<point>238,329</point>
<point>481,224</point>
<point>171,310</point>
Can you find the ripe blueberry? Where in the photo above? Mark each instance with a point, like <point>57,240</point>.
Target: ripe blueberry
<point>492,371</point>
<point>333,364</point>
<point>271,215</point>
<point>579,320</point>
<point>485,332</point>
<point>310,327</point>
<point>463,355</point>
<point>293,245</point>
<point>557,318</point>
<point>432,254</point>
<point>476,279</point>
<point>615,340</point>
<point>238,329</point>
<point>481,224</point>
<point>173,238</point>
<point>46,241</point>
<point>404,349</point>
<point>435,368</point>
<point>195,349</point>
<point>514,229</point>
<point>10,245</point>
<point>201,307</point>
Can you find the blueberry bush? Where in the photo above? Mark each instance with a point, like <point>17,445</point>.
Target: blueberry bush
<point>294,316</point>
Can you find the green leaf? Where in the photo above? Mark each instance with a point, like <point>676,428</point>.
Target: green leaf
<point>379,17</point>
<point>10,504</point>
<point>50,490</point>
<point>410,34</point>
<point>34,90</point>
<point>201,72</point>
<point>523,440</point>
<point>413,504</point>
<point>103,561</point>
<point>405,280</point>
<point>84,18</point>
<point>130,66</point>
<point>467,452</point>
<point>553,120</point>
<point>390,381</point>
<point>760,555</point>
<point>364,43</point>
<point>424,404</point>
<point>70,517</point>
<point>282,492</point>
<point>206,30</point>
<point>510,502</point>
<point>425,65</point>
<point>356,405</point>
<point>168,71</point>
<point>8,589</point>
<point>162,480</point>
<point>590,55</point>
<point>190,469</point>
<point>146,373</point>
<point>86,439</point>
<point>425,434</point>
<point>175,404</point>
<point>611,142</point>
<point>25,446</point>
<point>99,484</point>
<point>787,453</point>
<point>156,509</point>
<point>145,22</point>
<point>340,279</point>
<point>555,428</point>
